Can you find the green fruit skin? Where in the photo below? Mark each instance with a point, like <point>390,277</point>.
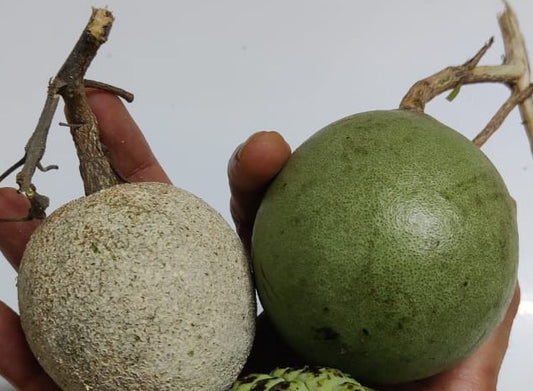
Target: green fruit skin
<point>387,247</point>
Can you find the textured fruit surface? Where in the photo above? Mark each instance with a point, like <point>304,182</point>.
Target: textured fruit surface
<point>137,287</point>
<point>387,247</point>
<point>299,379</point>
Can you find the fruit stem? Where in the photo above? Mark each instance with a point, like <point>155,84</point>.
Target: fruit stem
<point>448,78</point>
<point>95,169</point>
<point>514,72</point>
<point>69,84</point>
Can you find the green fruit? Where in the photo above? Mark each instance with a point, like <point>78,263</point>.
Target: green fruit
<point>137,287</point>
<point>299,379</point>
<point>387,247</point>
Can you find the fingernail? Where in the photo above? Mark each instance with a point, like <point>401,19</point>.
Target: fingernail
<point>242,147</point>
<point>238,152</point>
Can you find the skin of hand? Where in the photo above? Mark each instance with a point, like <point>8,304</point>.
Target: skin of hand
<point>250,170</point>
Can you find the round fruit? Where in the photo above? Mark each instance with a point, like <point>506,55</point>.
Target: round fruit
<point>387,247</point>
<point>137,287</point>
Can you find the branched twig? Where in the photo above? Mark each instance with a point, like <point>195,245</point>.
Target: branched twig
<point>127,96</point>
<point>450,77</point>
<point>514,72</point>
<point>70,85</point>
<point>515,56</point>
<point>36,145</point>
<point>496,121</point>
<point>95,169</point>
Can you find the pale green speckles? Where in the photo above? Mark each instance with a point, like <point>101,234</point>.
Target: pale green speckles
<point>134,288</point>
<point>94,248</point>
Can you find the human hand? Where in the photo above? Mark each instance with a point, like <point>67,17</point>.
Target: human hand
<point>131,156</point>
<point>250,171</point>
<point>251,168</point>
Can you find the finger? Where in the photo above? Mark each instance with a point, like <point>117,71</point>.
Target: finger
<point>17,363</point>
<point>128,150</point>
<point>14,235</point>
<point>251,168</point>
<point>494,349</point>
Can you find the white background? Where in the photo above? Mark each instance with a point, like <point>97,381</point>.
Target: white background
<point>207,74</point>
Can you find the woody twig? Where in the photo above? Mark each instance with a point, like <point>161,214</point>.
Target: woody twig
<point>514,72</point>
<point>69,84</point>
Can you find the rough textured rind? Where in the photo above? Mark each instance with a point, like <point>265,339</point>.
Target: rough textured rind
<point>387,247</point>
<point>137,287</point>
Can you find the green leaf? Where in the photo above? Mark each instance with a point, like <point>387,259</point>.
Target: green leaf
<point>453,94</point>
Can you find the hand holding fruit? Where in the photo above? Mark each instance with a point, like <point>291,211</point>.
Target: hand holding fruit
<point>131,154</point>
<point>478,372</point>
<point>250,170</point>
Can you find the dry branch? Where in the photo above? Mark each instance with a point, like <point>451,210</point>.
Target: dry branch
<point>516,56</point>
<point>514,72</point>
<point>69,84</point>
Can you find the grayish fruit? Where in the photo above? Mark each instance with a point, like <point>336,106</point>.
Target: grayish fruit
<point>137,287</point>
